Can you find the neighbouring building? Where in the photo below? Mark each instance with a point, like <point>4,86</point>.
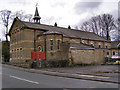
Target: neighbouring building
<point>54,46</point>
<point>114,53</point>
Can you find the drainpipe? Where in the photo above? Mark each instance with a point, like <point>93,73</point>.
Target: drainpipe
<point>34,41</point>
<point>35,63</point>
<point>45,49</point>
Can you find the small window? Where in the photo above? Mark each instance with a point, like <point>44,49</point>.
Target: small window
<point>82,41</point>
<point>58,44</point>
<point>106,46</point>
<point>15,37</point>
<point>40,49</point>
<point>21,52</point>
<point>99,46</point>
<point>92,44</point>
<point>17,53</point>
<point>18,36</point>
<point>21,34</point>
<point>107,52</point>
<point>51,44</point>
<point>114,53</point>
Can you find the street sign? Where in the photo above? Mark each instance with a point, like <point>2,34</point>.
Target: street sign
<point>37,55</point>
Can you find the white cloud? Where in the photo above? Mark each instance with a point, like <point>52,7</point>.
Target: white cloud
<point>62,11</point>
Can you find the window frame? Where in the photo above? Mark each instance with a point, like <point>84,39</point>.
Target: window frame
<point>99,45</point>
<point>51,45</point>
<point>58,44</point>
<point>114,53</point>
<point>20,52</point>
<point>92,44</point>
<point>108,53</point>
<point>106,46</point>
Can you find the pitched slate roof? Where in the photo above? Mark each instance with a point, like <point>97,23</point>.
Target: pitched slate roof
<point>115,44</point>
<point>80,46</point>
<point>64,31</point>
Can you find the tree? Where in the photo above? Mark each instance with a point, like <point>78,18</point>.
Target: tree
<point>29,17</point>
<point>108,24</point>
<point>84,26</point>
<point>116,31</point>
<point>94,21</point>
<point>5,17</point>
<point>101,25</point>
<point>22,16</point>
<point>8,16</point>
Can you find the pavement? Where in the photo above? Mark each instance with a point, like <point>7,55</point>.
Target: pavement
<point>102,73</point>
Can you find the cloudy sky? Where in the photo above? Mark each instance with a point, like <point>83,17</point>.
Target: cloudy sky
<point>64,12</point>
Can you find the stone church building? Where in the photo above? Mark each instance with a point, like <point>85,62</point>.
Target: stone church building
<point>54,46</point>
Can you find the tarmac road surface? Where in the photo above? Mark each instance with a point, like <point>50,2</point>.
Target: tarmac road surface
<point>12,78</point>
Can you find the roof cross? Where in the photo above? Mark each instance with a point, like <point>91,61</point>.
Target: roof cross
<point>36,4</point>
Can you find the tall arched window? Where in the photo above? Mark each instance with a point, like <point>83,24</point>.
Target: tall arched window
<point>58,44</point>
<point>99,45</point>
<point>40,48</point>
<point>92,44</point>
<point>107,53</point>
<point>51,44</point>
<point>106,46</point>
<point>21,32</point>
<point>21,52</point>
<point>114,53</point>
<point>15,37</point>
<point>17,53</point>
<point>18,35</point>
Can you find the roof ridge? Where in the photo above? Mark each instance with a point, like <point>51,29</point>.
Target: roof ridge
<point>56,27</point>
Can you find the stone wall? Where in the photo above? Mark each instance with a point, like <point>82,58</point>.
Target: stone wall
<point>88,56</point>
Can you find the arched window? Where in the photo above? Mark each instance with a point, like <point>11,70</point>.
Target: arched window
<point>17,53</point>
<point>114,53</point>
<point>92,44</point>
<point>107,52</point>
<point>51,44</point>
<point>21,32</point>
<point>15,36</point>
<point>18,35</point>
<point>21,52</point>
<point>99,45</point>
<point>82,41</point>
<point>40,48</point>
<point>58,44</point>
<point>106,46</point>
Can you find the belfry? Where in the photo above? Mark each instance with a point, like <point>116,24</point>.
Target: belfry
<point>36,16</point>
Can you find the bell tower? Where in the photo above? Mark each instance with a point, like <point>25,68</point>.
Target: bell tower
<point>36,16</point>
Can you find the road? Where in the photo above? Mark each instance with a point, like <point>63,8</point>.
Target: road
<point>13,78</point>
